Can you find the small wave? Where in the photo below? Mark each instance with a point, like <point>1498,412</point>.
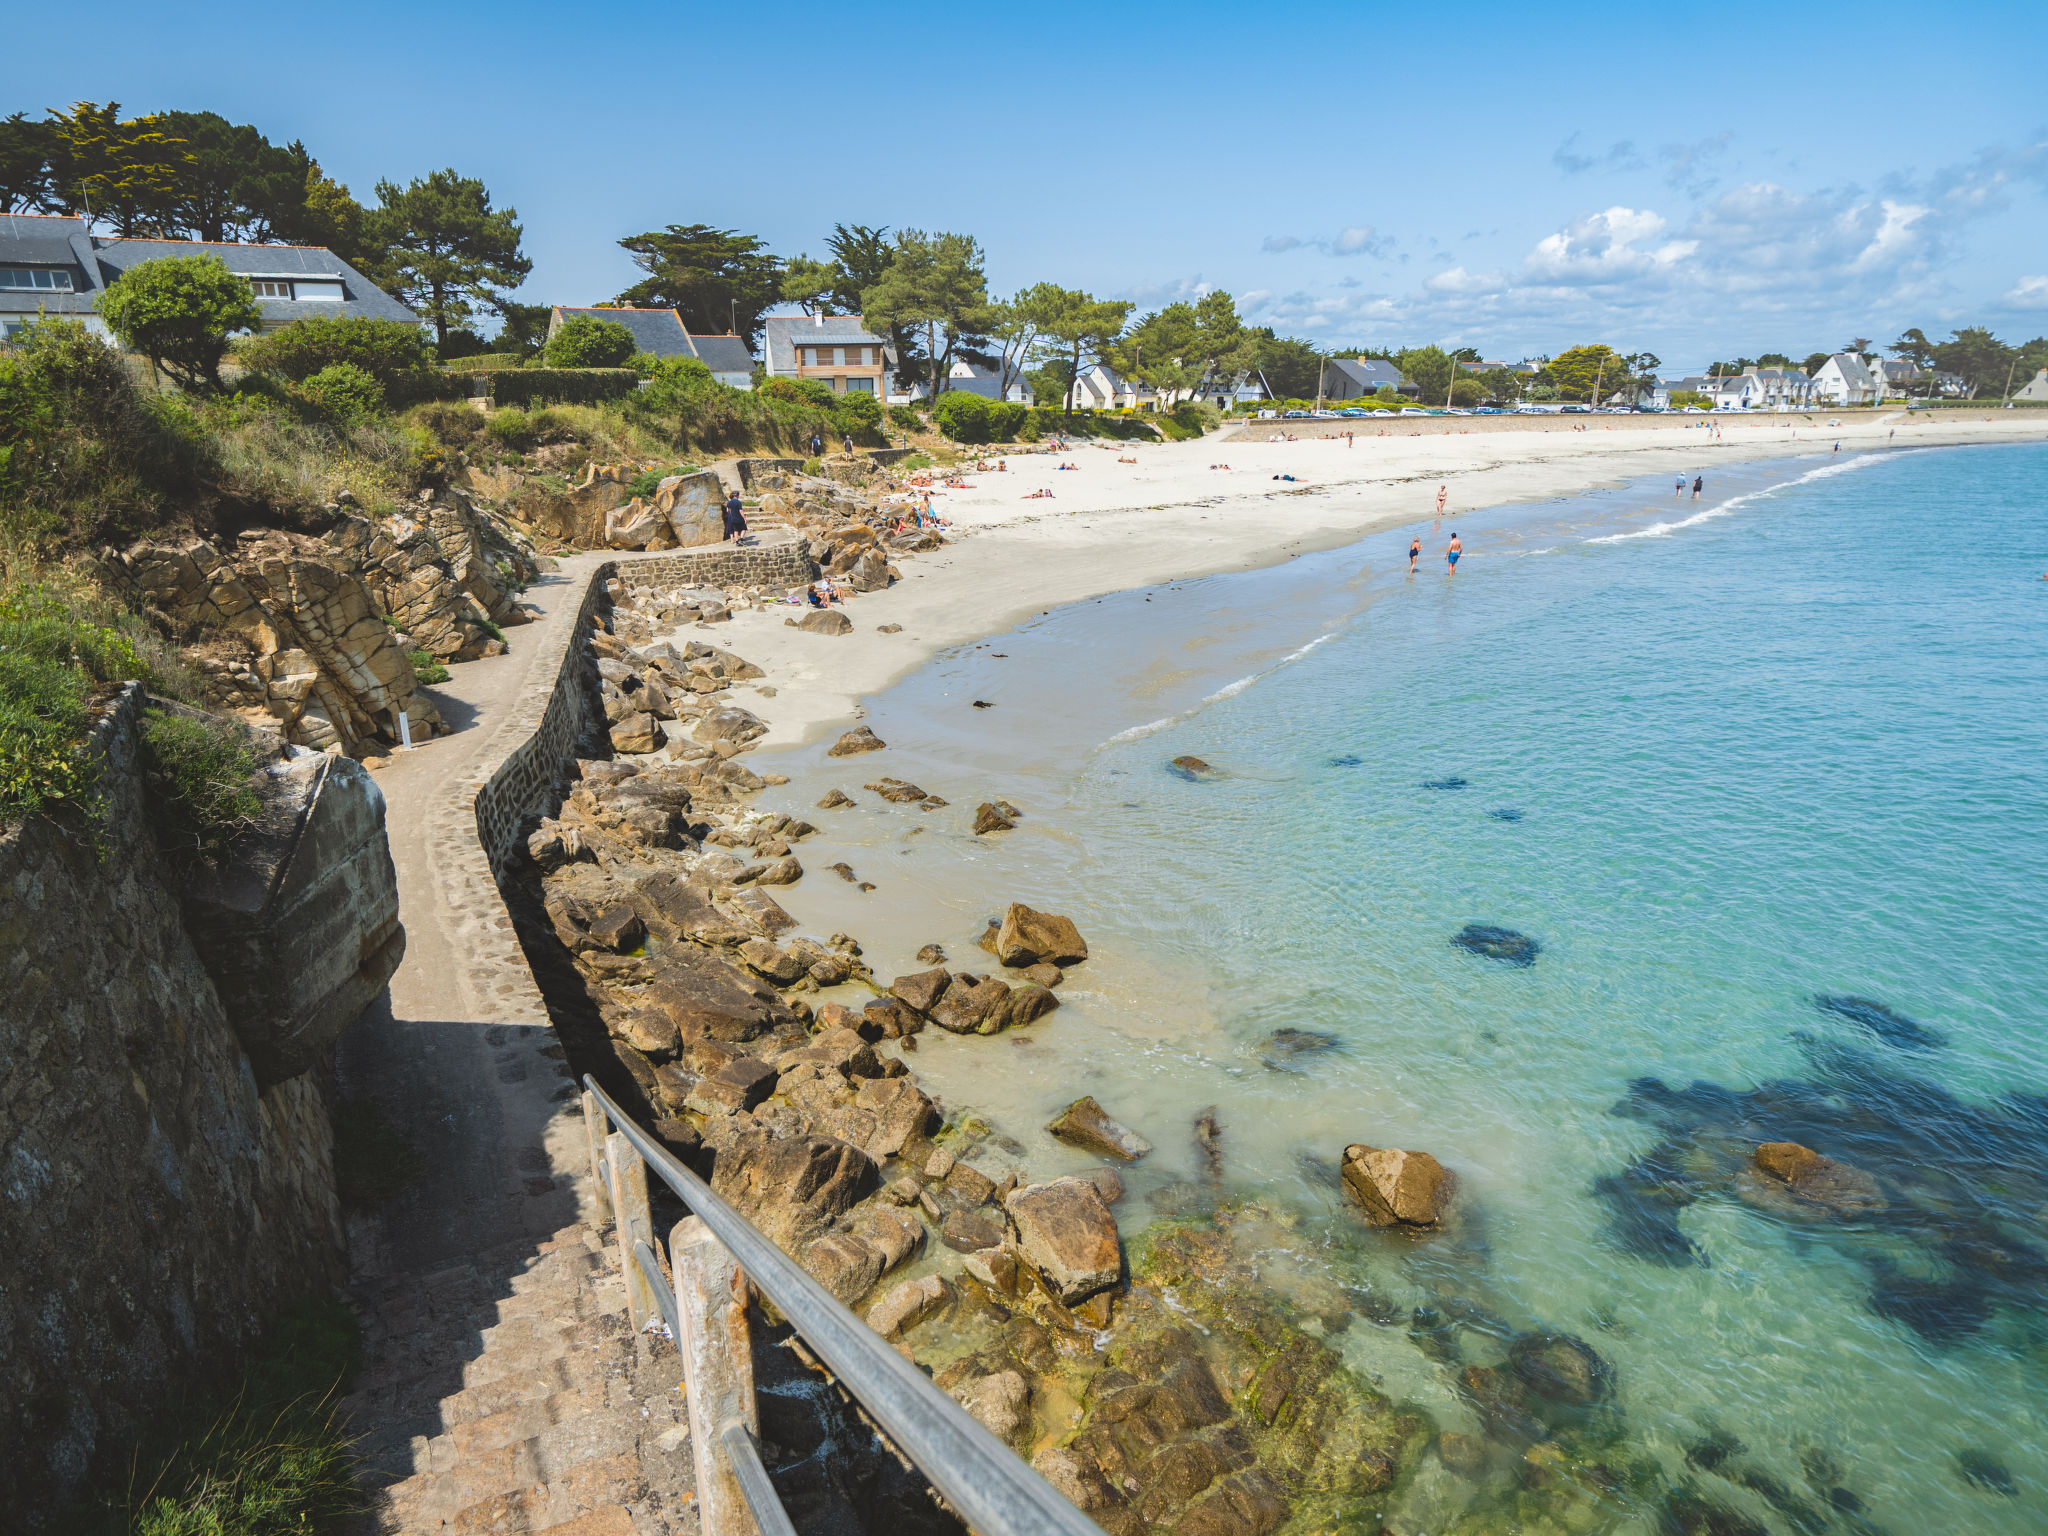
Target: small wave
<point>1665,530</point>
<point>1229,690</point>
<point>1141,730</point>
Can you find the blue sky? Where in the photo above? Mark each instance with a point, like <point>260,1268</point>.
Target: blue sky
<point>1695,182</point>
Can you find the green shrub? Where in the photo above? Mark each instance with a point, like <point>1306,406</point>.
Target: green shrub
<point>962,416</point>
<point>427,668</point>
<point>903,416</point>
<point>516,428</point>
<point>1182,424</point>
<point>1005,420</point>
<point>199,772</point>
<point>452,424</point>
<point>343,392</point>
<point>912,463</point>
<point>648,481</point>
<point>578,386</point>
<point>56,649</point>
<point>272,1457</point>
<point>586,342</point>
<point>1044,419</point>
<point>863,412</point>
<point>85,456</point>
<point>648,366</point>
<point>179,311</point>
<point>387,350</point>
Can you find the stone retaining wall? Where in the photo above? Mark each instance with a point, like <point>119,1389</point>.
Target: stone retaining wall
<point>783,565</point>
<point>156,1205</point>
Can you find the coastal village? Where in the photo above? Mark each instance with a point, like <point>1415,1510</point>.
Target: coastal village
<point>423,664</point>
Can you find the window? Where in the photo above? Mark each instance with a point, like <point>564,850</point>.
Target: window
<point>838,356</point>
<point>860,385</point>
<point>810,357</point>
<point>41,278</point>
<point>271,288</point>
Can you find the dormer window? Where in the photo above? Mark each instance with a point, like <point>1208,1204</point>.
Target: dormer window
<point>40,279</point>
<point>270,288</point>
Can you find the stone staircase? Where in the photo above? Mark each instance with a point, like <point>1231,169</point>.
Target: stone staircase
<point>508,1395</point>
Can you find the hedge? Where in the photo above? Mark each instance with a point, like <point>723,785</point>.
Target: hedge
<point>565,386</point>
<point>1043,419</point>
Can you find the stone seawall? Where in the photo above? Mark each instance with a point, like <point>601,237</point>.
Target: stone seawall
<point>155,1204</point>
<point>782,565</point>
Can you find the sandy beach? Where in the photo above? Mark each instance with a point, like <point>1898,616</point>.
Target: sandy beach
<point>1176,511</point>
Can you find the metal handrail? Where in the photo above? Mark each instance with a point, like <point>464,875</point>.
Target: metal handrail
<point>987,1484</point>
<point>744,1457</point>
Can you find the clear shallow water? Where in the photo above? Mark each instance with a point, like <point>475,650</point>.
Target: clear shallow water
<point>1788,749</point>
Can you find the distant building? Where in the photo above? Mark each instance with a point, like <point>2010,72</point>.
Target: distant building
<point>1844,379</point>
<point>2035,388</point>
<point>973,379</point>
<point>661,333</point>
<point>836,350</point>
<point>1100,388</point>
<point>1349,378</point>
<point>53,264</point>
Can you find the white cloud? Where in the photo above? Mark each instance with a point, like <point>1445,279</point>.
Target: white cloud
<point>1608,247</point>
<point>2028,293</point>
<point>1356,240</point>
<point>1688,167</point>
<point>1458,280</point>
<point>1619,156</point>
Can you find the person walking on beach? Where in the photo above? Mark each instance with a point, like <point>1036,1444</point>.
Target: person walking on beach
<point>1443,494</point>
<point>1698,484</point>
<point>1414,552</point>
<point>1451,552</point>
<point>1838,449</point>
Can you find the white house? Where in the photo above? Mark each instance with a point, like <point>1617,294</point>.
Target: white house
<point>1351,378</point>
<point>973,379</point>
<point>1099,389</point>
<point>53,264</point>
<point>1844,379</point>
<point>2035,388</point>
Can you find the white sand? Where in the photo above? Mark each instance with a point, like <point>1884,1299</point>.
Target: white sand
<point>1113,525</point>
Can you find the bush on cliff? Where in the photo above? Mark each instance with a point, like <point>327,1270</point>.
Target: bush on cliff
<point>58,649</point>
<point>344,393</point>
<point>389,351</point>
<point>179,312</point>
<point>199,770</point>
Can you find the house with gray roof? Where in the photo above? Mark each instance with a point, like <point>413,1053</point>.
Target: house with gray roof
<point>55,265</point>
<point>1349,378</point>
<point>837,350</point>
<point>661,333</point>
<point>1844,379</point>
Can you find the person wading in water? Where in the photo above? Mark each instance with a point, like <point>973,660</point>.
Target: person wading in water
<point>1451,552</point>
<point>1414,552</point>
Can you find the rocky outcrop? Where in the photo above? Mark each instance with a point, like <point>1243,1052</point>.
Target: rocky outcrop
<point>300,930</point>
<point>685,511</point>
<point>313,636</point>
<point>859,739</point>
<point>1398,1188</point>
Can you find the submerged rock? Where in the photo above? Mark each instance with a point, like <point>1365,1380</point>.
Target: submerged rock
<point>1085,1124</point>
<point>1814,1180</point>
<point>1450,783</point>
<point>1349,760</point>
<point>1981,1470</point>
<point>1286,1047</point>
<point>1894,1029</point>
<point>1561,1368</point>
<point>835,799</point>
<point>1396,1187</point>
<point>1497,943</point>
<point>991,819</point>
<point>1191,768</point>
<point>1505,813</point>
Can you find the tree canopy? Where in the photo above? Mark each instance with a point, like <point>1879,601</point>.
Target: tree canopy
<point>715,279</point>
<point>449,253</point>
<point>933,289</point>
<point>585,341</point>
<point>1578,373</point>
<point>1081,329</point>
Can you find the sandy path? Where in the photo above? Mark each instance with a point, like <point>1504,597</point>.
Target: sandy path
<point>1112,525</point>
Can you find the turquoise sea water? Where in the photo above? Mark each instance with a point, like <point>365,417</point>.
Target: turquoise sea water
<point>1718,767</point>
